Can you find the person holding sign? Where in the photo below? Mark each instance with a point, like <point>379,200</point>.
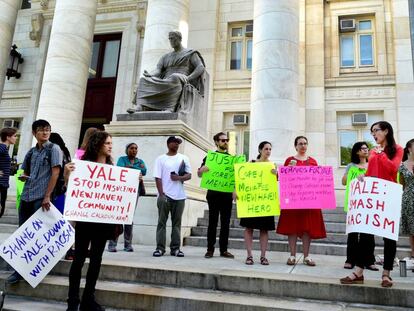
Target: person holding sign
<point>41,167</point>
<point>357,167</point>
<point>304,223</point>
<point>384,161</point>
<point>219,203</point>
<point>98,149</point>
<point>407,180</point>
<point>130,161</point>
<point>265,223</point>
<point>171,170</point>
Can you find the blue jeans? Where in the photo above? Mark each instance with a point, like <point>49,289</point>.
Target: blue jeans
<point>27,209</point>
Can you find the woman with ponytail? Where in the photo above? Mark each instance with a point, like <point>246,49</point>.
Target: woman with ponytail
<point>407,180</point>
<point>265,223</point>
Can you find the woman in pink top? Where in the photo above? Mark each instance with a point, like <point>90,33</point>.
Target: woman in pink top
<point>88,133</point>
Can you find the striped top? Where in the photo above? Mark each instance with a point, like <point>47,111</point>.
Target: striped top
<point>4,166</point>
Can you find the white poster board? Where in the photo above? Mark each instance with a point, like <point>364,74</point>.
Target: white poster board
<point>37,246</point>
<point>374,207</point>
<point>101,193</point>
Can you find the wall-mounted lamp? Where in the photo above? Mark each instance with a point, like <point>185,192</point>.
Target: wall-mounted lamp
<point>15,60</point>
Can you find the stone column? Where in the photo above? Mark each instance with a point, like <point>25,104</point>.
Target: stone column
<point>8,16</point>
<point>65,77</point>
<point>274,95</point>
<point>404,76</point>
<point>163,16</point>
<point>315,79</point>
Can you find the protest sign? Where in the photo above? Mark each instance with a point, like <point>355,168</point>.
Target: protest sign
<point>37,246</point>
<point>374,207</point>
<point>220,176</point>
<point>101,193</point>
<point>306,187</point>
<point>256,188</point>
<point>353,172</point>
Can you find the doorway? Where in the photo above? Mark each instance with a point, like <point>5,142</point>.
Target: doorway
<point>100,91</point>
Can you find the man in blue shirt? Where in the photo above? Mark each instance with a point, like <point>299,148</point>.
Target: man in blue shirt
<point>41,167</point>
<point>8,137</point>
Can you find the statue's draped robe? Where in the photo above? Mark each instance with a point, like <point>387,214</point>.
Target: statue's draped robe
<point>167,92</point>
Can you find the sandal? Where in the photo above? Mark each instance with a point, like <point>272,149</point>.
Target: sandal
<point>372,267</point>
<point>157,253</point>
<point>356,280</point>
<point>264,261</point>
<point>309,262</point>
<point>291,261</point>
<point>348,265</point>
<point>386,282</point>
<point>249,261</point>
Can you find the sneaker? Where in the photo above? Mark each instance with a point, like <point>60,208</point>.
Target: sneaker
<point>14,278</point>
<point>227,254</point>
<point>128,249</point>
<point>177,253</point>
<point>112,249</point>
<point>209,254</point>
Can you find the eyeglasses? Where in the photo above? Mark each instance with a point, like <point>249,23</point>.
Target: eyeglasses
<point>302,144</point>
<point>374,131</point>
<point>364,148</point>
<point>224,140</point>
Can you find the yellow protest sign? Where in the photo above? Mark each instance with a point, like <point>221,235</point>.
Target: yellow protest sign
<point>257,190</point>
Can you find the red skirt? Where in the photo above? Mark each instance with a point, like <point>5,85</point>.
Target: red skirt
<point>300,221</point>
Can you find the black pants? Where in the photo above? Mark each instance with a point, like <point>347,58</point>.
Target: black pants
<point>3,197</point>
<point>353,248</point>
<point>219,203</point>
<point>84,235</point>
<point>364,252</point>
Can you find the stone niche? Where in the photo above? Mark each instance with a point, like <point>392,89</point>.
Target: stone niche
<point>150,130</point>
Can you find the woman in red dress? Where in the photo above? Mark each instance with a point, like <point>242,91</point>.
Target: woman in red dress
<point>306,224</point>
<point>384,161</point>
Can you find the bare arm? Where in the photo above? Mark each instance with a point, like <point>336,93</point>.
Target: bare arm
<point>185,177</point>
<point>158,184</point>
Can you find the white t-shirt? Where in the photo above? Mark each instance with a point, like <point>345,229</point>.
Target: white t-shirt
<point>163,167</point>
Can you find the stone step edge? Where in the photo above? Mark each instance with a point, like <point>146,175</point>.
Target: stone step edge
<point>197,296</point>
<point>404,249</point>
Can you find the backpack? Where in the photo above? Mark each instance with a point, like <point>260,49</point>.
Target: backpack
<point>60,183</point>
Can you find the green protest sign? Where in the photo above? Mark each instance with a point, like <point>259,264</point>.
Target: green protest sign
<point>353,172</point>
<point>220,176</point>
<point>257,190</point>
<point>19,187</point>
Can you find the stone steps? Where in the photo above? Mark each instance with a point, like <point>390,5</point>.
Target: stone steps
<point>145,297</point>
<point>140,282</point>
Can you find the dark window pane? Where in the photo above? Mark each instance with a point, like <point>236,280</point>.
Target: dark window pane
<point>94,60</point>
<point>236,55</point>
<point>110,63</point>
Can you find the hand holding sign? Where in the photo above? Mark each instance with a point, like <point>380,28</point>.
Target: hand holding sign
<point>101,193</point>
<point>37,246</point>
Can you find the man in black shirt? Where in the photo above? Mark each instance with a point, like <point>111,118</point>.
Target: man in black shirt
<point>218,203</point>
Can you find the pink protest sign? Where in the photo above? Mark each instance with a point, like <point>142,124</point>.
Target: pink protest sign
<point>306,187</point>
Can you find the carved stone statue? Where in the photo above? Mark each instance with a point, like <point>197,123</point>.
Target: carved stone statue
<point>176,84</point>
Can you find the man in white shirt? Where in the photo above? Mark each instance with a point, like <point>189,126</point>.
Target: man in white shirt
<point>170,172</point>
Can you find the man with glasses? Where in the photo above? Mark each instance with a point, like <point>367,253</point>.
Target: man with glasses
<point>219,203</point>
<point>41,168</point>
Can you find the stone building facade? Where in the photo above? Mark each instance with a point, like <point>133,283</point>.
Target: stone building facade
<point>277,68</point>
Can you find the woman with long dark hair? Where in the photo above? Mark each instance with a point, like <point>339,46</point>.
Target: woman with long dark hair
<point>264,224</point>
<point>407,180</point>
<point>384,161</point>
<point>97,150</point>
<point>306,224</point>
<point>357,167</point>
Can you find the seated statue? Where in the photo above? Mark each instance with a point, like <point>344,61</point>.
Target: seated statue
<point>176,83</point>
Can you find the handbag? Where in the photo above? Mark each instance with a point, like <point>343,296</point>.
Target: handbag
<point>141,188</point>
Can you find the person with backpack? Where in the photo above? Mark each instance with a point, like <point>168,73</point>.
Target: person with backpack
<point>41,167</point>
